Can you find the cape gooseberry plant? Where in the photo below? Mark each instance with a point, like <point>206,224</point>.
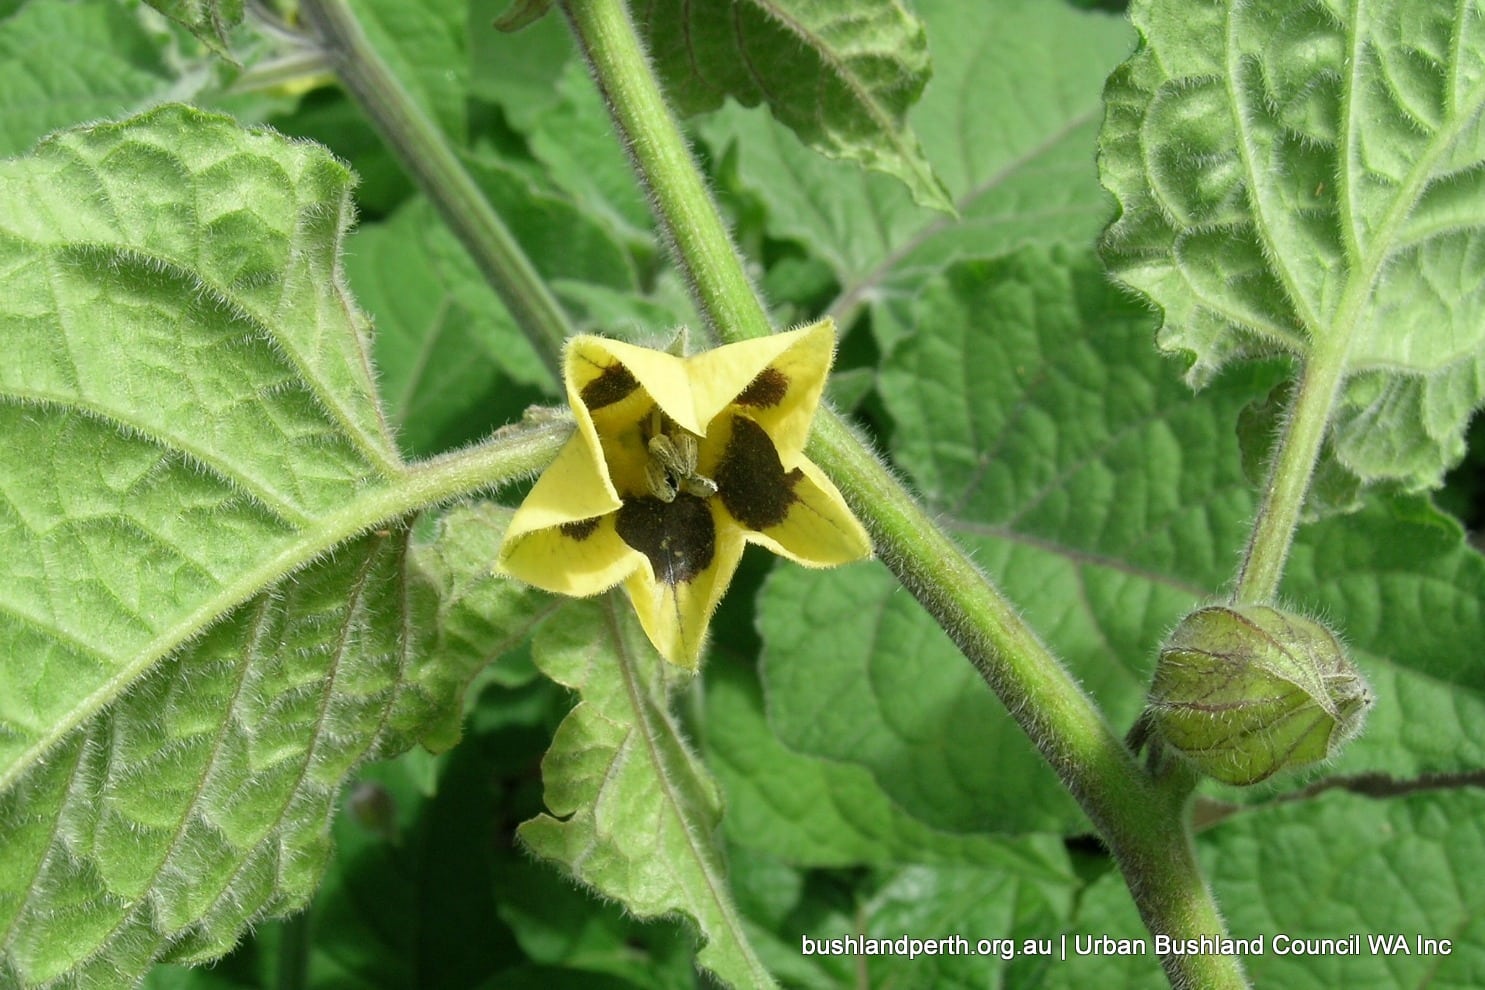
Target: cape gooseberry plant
<point>1134,350</point>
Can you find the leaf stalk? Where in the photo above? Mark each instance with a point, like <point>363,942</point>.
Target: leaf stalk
<point>434,165</point>
<point>1289,475</point>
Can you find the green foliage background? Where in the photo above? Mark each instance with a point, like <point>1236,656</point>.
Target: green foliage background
<point>838,768</point>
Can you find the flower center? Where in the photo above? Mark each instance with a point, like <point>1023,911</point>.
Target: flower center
<point>670,467</point>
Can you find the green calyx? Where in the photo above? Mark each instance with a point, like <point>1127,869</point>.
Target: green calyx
<point>1244,692</point>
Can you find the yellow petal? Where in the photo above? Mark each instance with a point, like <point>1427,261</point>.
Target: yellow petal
<point>793,510</point>
<point>594,519</point>
<point>579,559</point>
<point>562,537</point>
<point>575,486</point>
<point>601,374</point>
<point>689,564</point>
<point>776,380</point>
<point>819,530</point>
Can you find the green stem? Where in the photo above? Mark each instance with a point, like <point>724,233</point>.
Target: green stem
<point>663,161</point>
<point>1143,821</point>
<point>293,952</point>
<point>515,451</point>
<point>434,165</point>
<point>1289,479</point>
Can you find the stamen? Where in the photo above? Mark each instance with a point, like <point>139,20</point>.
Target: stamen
<point>671,465</point>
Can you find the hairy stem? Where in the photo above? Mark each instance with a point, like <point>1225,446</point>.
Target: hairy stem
<point>1289,479</point>
<point>662,159</point>
<point>434,165</point>
<point>1142,820</point>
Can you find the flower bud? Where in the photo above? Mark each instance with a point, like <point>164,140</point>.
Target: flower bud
<point>1243,692</point>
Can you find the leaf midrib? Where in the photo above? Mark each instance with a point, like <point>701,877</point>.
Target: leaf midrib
<point>179,833</point>
<point>389,501</point>
<point>318,734</point>
<point>885,126</point>
<point>411,489</point>
<point>851,295</point>
<point>1331,340</point>
<point>644,720</point>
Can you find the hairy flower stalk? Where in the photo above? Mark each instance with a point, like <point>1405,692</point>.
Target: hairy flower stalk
<point>677,463</point>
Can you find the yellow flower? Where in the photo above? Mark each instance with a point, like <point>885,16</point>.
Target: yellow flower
<point>676,463</point>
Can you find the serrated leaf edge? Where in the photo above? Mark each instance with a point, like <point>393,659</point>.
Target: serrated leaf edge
<point>652,725</point>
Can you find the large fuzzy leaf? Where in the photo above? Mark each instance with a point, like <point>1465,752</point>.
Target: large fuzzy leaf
<point>841,74</point>
<point>62,62</point>
<point>1009,119</point>
<point>196,645</point>
<point>1310,178</point>
<point>1340,866</point>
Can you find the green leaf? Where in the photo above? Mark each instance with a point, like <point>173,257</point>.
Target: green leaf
<point>413,841</point>
<point>1009,120</point>
<point>807,810</point>
<point>366,927</point>
<point>649,321</point>
<point>518,71</point>
<point>1042,430</point>
<point>1406,589</point>
<point>209,20</point>
<point>480,617</point>
<point>633,813</point>
<point>1106,500</point>
<point>65,62</point>
<point>198,350</point>
<point>562,241</point>
<point>1306,179</point>
<point>960,916</point>
<point>453,365</point>
<point>1027,897</point>
<point>199,800</point>
<point>1370,857</point>
<point>841,76</point>
<point>1329,868</point>
<point>573,140</point>
<point>548,96</point>
<point>334,121</point>
<point>198,645</point>
<point>559,924</point>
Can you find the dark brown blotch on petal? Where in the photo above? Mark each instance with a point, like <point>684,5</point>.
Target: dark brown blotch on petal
<point>580,530</point>
<point>613,385</point>
<point>679,537</point>
<point>751,479</point>
<point>765,391</point>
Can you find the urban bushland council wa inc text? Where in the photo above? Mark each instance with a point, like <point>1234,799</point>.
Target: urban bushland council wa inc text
<point>1068,946</point>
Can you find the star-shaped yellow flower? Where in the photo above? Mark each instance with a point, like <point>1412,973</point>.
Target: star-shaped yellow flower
<point>676,463</point>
